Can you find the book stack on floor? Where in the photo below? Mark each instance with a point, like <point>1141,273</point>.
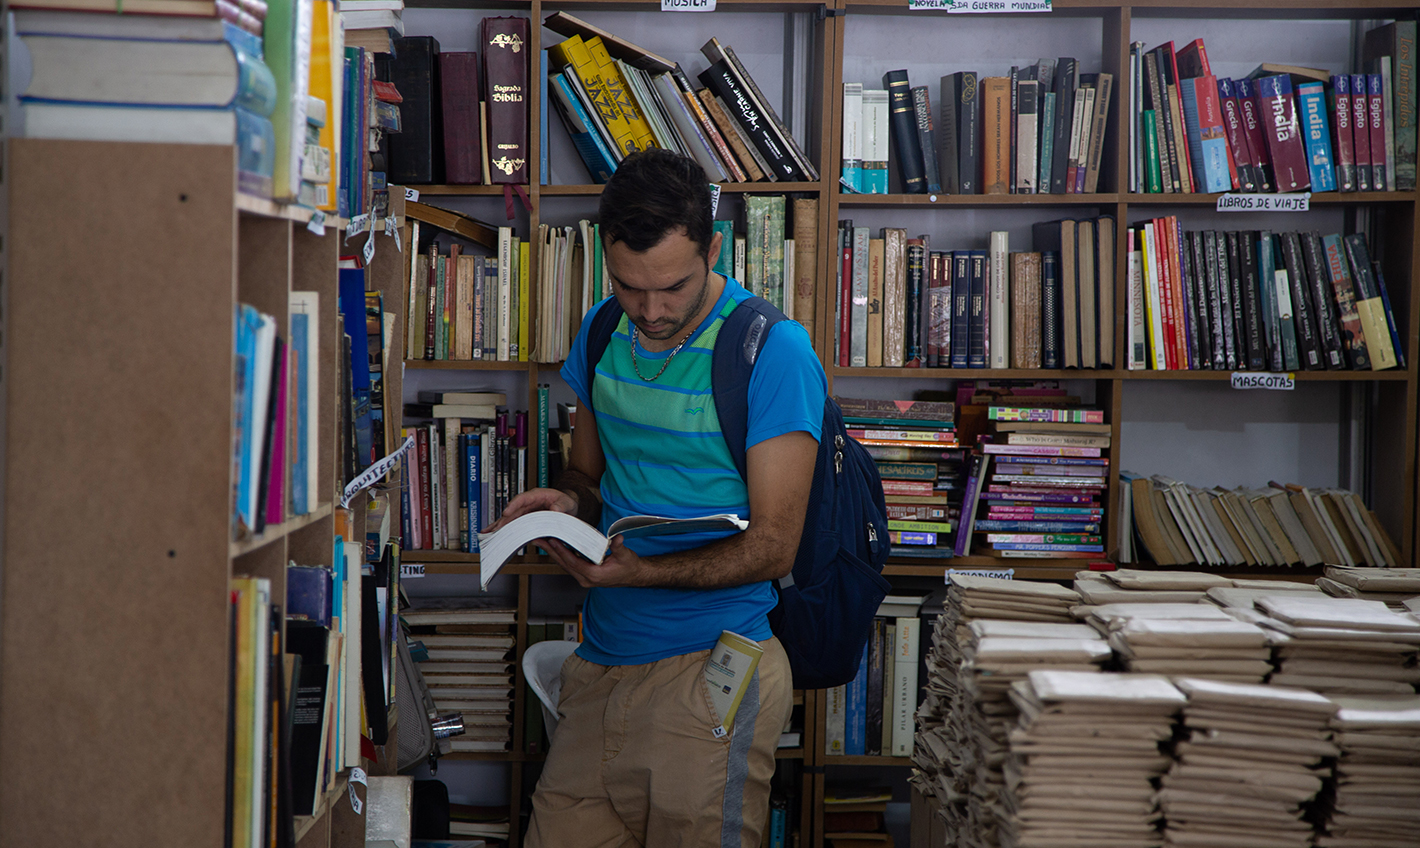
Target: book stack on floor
<point>462,647</point>
<point>1248,764</point>
<point>490,822</point>
<point>1217,647</point>
<point>1278,525</point>
<point>464,305</point>
<point>914,445</point>
<point>616,98</point>
<point>1137,587</point>
<point>855,817</point>
<point>1391,586</point>
<point>1281,128</point>
<point>872,714</point>
<point>1342,646</point>
<point>1037,130</point>
<point>1043,494</point>
<point>472,460</point>
<point>1371,804</point>
<point>1083,758</point>
<point>942,750</point>
<point>1256,300</point>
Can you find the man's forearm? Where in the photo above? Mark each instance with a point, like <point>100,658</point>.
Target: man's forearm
<point>585,491</point>
<point>747,557</point>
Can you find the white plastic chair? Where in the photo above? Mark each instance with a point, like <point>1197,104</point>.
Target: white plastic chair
<point>542,668</point>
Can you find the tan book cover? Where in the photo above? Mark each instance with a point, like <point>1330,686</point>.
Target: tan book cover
<point>1306,512</point>
<point>464,318</point>
<point>996,135</point>
<point>1260,537</point>
<point>1095,146</point>
<point>1105,237</point>
<point>1025,312</point>
<point>1146,521</point>
<point>1225,518</point>
<point>1089,285</point>
<point>1292,525</point>
<point>751,171</point>
<point>875,302</point>
<point>1263,507</point>
<point>805,261</point>
<point>894,294</point>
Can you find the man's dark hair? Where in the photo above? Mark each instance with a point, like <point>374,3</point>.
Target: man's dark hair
<point>653,194</point>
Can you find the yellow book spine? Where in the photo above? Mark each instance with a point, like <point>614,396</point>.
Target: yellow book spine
<point>1377,329</point>
<point>620,92</point>
<point>325,28</point>
<point>524,306</point>
<point>573,52</point>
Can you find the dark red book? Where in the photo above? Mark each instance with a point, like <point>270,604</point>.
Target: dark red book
<point>1341,135</point>
<point>1283,133</point>
<point>845,292</point>
<point>1239,156</point>
<point>1192,61</point>
<point>505,79</point>
<point>463,148</point>
<point>1361,131</point>
<point>1252,127</point>
<point>1375,101</point>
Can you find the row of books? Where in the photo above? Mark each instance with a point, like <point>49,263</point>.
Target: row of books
<point>902,304</point>
<point>1282,128</point>
<point>1278,525</point>
<point>463,647</point>
<point>1038,130</point>
<point>310,679</point>
<point>615,98</point>
<point>466,471</point>
<point>873,714</point>
<point>1256,301</point>
<point>1036,484</point>
<point>467,306</point>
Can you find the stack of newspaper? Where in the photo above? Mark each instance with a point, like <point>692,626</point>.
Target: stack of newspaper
<point>1220,649</point>
<point>1083,757</point>
<point>1392,586</point>
<point>1341,646</point>
<point>1245,598</point>
<point>1377,774</point>
<point>1135,586</point>
<point>942,752</point>
<point>1249,758</point>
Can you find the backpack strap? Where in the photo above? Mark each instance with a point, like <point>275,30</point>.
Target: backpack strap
<point>736,350</point>
<point>599,335</point>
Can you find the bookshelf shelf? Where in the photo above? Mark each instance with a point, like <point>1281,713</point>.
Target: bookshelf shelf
<point>849,201</point>
<point>1025,568</point>
<point>468,365</point>
<point>248,205</point>
<point>457,190</point>
<point>840,760</point>
<point>280,531</point>
<point>728,188</point>
<point>1327,198</point>
<point>1389,376</point>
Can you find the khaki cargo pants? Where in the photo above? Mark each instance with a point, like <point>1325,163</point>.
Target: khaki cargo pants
<point>635,760</point>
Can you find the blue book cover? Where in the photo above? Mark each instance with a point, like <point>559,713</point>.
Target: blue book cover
<point>248,322</point>
<point>1316,135</point>
<point>352,307</point>
<point>406,529</point>
<point>778,827</point>
<point>599,160</point>
<point>300,471</point>
<point>545,166</point>
<point>855,720</point>
<point>472,461</point>
<point>976,321</point>
<point>961,306</point>
<point>1207,144</point>
<point>465,525</point>
<point>308,589</point>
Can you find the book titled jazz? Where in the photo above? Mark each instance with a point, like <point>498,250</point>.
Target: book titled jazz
<point>505,76</point>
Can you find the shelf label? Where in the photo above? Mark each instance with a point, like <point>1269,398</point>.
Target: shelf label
<point>981,7</point>
<point>369,250</point>
<point>317,223</point>
<point>714,199</point>
<point>1001,573</point>
<point>355,803</point>
<point>1258,380</point>
<point>357,225</point>
<point>1301,202</point>
<point>687,5</point>
<point>357,775</point>
<point>411,194</point>
<point>374,472</point>
<point>411,569</point>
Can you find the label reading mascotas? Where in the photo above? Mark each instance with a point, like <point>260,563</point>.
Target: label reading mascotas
<point>1259,380</point>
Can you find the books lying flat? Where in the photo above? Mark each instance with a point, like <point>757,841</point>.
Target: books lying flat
<point>497,547</point>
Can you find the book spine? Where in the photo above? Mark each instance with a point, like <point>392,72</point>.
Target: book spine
<point>915,294</point>
<point>1045,132</point>
<point>904,702</point>
<point>1385,67</point>
<point>463,156</point>
<point>1253,129</point>
<point>996,141</point>
<point>1050,327</point>
<point>1237,136</point>
<point>939,297</point>
<point>1322,300</point>
<point>719,79</point>
<point>873,720</point>
<point>926,138</point>
<point>505,73</point>
<point>1380,156</point>
<point>1066,75</point>
<point>1369,305</point>
<point>1361,131</point>
<point>894,294</point>
<point>1316,134</point>
<point>949,158</point>
<point>1279,116</point>
<point>1094,149</point>
<point>960,336</point>
<point>997,302</point>
<point>1026,130</point>
<point>855,714</point>
<point>1309,334</point>
<point>858,339</point>
<point>903,122</point>
<point>969,134</point>
<point>845,293</point>
<point>1341,135</point>
<point>875,303</point>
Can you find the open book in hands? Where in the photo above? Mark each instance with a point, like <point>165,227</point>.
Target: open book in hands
<point>496,548</point>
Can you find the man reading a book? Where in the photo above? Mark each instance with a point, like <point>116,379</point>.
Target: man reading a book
<point>639,757</point>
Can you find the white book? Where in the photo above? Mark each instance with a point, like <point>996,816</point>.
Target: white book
<point>835,713</point>
<point>261,400</point>
<point>876,147</point>
<point>1026,133</point>
<point>904,689</point>
<point>858,321</point>
<point>505,292</point>
<point>1151,300</point>
<point>998,349</point>
<point>1137,334</point>
<point>853,135</point>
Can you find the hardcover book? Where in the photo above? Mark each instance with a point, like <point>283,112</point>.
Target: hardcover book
<point>463,151</point>
<point>505,79</point>
<point>904,132</point>
<point>416,152</point>
<point>1283,133</point>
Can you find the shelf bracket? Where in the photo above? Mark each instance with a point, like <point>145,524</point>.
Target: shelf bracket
<point>826,12</point>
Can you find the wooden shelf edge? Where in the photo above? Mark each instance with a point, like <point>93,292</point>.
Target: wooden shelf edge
<point>285,211</point>
<point>789,754</point>
<point>843,760</point>
<point>323,806</point>
<point>972,200</point>
<point>469,365</point>
<point>280,531</point>
<point>1390,375</point>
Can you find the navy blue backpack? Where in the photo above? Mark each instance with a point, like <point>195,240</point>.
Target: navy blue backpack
<point>827,603</point>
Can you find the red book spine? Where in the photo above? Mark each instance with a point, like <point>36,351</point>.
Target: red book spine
<point>426,507</point>
<point>1375,97</point>
<point>1166,317</point>
<point>1180,308</point>
<point>1284,138</point>
<point>1239,156</point>
<point>1252,129</point>
<point>505,77</point>
<point>907,487</point>
<point>939,322</point>
<point>845,294</point>
<point>463,148</point>
<point>1361,131</point>
<point>1341,132</point>
<point>431,312</point>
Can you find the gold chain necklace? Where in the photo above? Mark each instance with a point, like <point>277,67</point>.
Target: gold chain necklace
<point>635,335</point>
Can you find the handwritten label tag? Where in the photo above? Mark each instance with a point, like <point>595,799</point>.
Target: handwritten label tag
<point>1001,573</point>
<point>357,775</point>
<point>411,194</point>
<point>987,7</point>
<point>357,225</point>
<point>719,732</point>
<point>317,223</point>
<point>1301,202</point>
<point>369,249</point>
<point>355,803</point>
<point>714,199</point>
<point>374,472</point>
<point>411,569</point>
<point>1258,380</point>
<point>927,5</point>
<point>687,5</point>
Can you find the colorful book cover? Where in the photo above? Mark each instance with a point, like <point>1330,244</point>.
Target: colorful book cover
<point>1283,132</point>
<point>1207,137</point>
<point>1311,99</point>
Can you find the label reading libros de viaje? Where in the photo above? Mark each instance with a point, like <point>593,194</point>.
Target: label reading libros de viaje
<point>981,6</point>
<point>687,5</point>
<point>1265,202</point>
<point>1259,380</point>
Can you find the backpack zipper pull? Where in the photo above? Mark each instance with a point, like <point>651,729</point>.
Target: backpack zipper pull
<point>838,453</point>
<point>872,532</point>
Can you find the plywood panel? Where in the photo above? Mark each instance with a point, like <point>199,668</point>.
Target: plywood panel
<point>118,495</point>
<point>313,268</point>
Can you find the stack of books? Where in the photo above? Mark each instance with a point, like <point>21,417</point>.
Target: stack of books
<point>855,815</point>
<point>1038,130</point>
<point>1247,765</point>
<point>1281,128</point>
<point>462,646</point>
<point>1042,479</point>
<point>1128,589</point>
<point>872,714</point>
<point>1257,300</point>
<point>467,306</point>
<point>1372,801</point>
<point>1391,586</point>
<point>1084,755</point>
<point>616,98</point>
<point>1342,646</point>
<point>1279,525</point>
<point>914,445</point>
<point>372,24</point>
<point>1222,649</point>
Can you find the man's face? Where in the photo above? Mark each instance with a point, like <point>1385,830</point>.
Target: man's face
<point>662,290</point>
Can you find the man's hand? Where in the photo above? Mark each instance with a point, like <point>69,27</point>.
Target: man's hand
<point>620,567</point>
<point>535,500</point>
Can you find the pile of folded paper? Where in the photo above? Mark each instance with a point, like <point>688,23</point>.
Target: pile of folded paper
<point>1197,640</point>
<point>1376,802</point>
<point>1392,586</point>
<point>1341,646</point>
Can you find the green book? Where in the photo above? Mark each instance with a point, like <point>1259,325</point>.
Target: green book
<point>907,470</point>
<point>1153,176</point>
<point>773,248</point>
<point>441,325</point>
<point>756,231</point>
<point>920,526</point>
<point>1047,140</point>
<point>286,45</point>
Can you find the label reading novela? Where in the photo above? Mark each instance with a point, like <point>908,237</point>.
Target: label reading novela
<point>1265,202</point>
<point>1258,380</point>
<point>687,5</point>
